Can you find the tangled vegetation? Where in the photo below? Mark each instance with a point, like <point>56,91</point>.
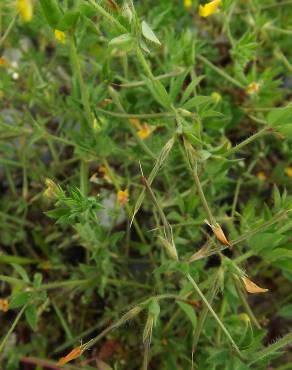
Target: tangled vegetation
<point>145,167</point>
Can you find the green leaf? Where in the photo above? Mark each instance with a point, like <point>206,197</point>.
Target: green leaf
<point>51,11</point>
<point>190,89</point>
<point>20,299</point>
<point>123,42</point>
<point>159,93</point>
<point>265,240</point>
<point>149,34</point>
<point>280,116</point>
<point>87,9</point>
<point>69,20</point>
<point>21,271</point>
<point>197,101</point>
<point>189,311</point>
<point>31,316</point>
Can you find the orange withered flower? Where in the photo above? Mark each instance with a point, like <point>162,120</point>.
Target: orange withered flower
<point>251,287</point>
<point>75,353</point>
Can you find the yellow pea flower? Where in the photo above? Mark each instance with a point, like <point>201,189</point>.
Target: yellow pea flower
<point>60,36</point>
<point>144,132</point>
<point>123,196</point>
<point>25,9</point>
<point>188,4</point>
<point>209,8</point>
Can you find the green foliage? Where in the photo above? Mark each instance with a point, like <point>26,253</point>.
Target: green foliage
<point>188,117</point>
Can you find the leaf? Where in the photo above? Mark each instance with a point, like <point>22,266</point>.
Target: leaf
<point>149,34</point>
<point>190,89</point>
<point>189,311</point>
<point>280,116</point>
<point>21,271</point>
<point>31,316</point>
<point>51,11</point>
<point>252,287</point>
<point>20,299</point>
<point>197,101</point>
<point>159,93</point>
<point>176,85</point>
<point>123,42</point>
<point>69,20</point>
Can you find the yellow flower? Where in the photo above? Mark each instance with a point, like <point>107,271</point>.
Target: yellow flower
<point>252,88</point>
<point>25,9</point>
<point>261,176</point>
<point>3,305</point>
<point>288,171</point>
<point>252,287</point>
<point>123,196</point>
<point>144,132</point>
<point>60,36</point>
<point>75,353</point>
<point>209,8</point>
<point>188,4</point>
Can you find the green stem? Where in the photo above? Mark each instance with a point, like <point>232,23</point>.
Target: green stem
<point>108,17</point>
<point>245,304</point>
<point>135,115</point>
<point>220,72</point>
<point>264,131</point>
<point>213,313</point>
<point>194,171</point>
<point>12,327</point>
<point>287,339</point>
<point>203,314</point>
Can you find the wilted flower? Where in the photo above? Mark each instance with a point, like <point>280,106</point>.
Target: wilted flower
<point>75,353</point>
<point>60,36</point>
<point>52,191</point>
<point>123,196</point>
<point>209,8</point>
<point>252,88</point>
<point>217,230</point>
<point>25,9</point>
<point>4,305</point>
<point>188,4</point>
<point>252,287</point>
<point>288,171</point>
